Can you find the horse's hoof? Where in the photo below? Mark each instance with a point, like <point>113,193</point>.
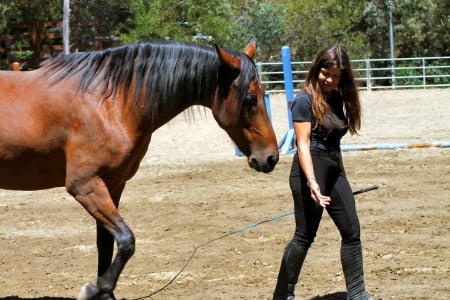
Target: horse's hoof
<point>88,292</point>
<point>107,297</point>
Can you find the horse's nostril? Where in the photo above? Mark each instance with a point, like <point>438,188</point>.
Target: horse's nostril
<point>266,165</point>
<point>272,160</point>
<point>255,164</point>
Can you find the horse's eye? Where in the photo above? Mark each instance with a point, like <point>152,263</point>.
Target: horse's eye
<point>251,100</point>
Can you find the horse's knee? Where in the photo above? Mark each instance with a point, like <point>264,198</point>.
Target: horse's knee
<point>127,246</point>
<point>125,240</point>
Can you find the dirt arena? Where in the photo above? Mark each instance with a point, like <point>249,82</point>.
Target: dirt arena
<point>192,188</point>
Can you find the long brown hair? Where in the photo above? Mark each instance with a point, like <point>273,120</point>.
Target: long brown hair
<point>334,56</point>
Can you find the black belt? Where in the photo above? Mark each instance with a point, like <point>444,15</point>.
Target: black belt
<point>333,154</point>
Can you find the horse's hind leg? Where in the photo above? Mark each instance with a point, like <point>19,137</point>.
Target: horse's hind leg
<point>104,289</point>
<point>105,248</point>
<point>105,240</point>
<point>94,196</point>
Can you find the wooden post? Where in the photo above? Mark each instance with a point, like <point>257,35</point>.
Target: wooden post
<point>36,38</point>
<point>16,66</point>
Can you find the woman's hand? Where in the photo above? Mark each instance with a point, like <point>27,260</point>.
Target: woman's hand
<point>320,199</point>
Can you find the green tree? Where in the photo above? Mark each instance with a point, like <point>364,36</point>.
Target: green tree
<point>3,16</point>
<point>97,24</point>
<point>265,22</point>
<point>192,20</point>
<point>29,11</point>
<point>313,25</point>
<point>421,27</point>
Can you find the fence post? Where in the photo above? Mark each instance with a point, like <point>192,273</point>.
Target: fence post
<point>393,79</point>
<point>66,27</point>
<point>16,66</point>
<point>287,143</point>
<point>424,75</point>
<point>259,68</point>
<point>369,84</point>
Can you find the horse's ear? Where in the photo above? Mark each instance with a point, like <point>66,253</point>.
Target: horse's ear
<point>232,62</point>
<point>250,49</point>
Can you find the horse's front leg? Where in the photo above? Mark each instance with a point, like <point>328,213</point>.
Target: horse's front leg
<point>93,194</point>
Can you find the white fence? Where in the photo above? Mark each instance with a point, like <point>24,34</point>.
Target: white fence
<point>371,74</point>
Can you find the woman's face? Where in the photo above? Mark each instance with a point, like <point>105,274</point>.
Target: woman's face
<point>329,79</point>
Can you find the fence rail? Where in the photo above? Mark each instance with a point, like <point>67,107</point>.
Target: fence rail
<point>30,43</point>
<point>371,74</point>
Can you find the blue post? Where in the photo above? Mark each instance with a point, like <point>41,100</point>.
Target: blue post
<point>287,143</point>
<point>268,108</point>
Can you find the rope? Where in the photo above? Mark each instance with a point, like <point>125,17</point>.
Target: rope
<point>270,219</point>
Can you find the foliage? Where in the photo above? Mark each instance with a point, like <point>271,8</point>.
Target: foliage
<point>421,27</point>
<point>97,24</point>
<point>3,16</point>
<point>192,20</point>
<point>28,11</point>
<point>265,22</point>
<point>432,71</point>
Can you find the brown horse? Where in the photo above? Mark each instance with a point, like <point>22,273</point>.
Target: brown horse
<point>84,121</point>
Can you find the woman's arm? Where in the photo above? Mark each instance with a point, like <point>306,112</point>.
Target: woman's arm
<point>303,135</point>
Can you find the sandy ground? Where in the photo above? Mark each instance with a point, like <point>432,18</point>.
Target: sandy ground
<point>192,188</point>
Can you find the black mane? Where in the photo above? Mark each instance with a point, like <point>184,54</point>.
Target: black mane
<point>167,72</point>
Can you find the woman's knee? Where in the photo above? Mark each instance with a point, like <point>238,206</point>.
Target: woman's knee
<point>351,234</point>
<point>302,240</point>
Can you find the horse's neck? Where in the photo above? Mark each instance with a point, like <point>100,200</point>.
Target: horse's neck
<point>165,115</point>
<point>171,109</point>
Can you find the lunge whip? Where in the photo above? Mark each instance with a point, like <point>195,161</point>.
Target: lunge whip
<point>270,219</point>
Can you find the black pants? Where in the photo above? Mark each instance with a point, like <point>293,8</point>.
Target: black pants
<point>333,183</point>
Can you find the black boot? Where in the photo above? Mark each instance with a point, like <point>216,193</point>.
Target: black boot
<point>291,264</point>
<point>352,266</point>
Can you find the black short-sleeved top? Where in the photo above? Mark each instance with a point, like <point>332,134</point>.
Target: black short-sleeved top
<point>329,138</point>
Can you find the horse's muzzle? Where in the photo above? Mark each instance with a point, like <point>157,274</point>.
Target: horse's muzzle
<point>265,164</point>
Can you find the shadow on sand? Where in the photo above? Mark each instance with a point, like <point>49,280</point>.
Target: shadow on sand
<point>334,296</point>
<point>38,298</point>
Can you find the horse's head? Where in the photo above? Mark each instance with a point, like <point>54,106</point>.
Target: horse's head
<point>240,110</point>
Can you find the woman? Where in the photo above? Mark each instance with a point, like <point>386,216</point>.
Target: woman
<point>322,113</point>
